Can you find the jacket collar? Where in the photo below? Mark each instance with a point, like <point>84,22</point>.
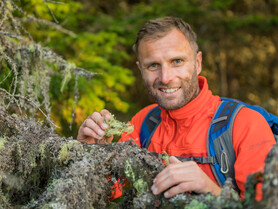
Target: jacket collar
<point>194,107</point>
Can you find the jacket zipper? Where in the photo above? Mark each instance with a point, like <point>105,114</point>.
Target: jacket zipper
<point>175,131</point>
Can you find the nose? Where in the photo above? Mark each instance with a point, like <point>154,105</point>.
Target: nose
<point>167,74</point>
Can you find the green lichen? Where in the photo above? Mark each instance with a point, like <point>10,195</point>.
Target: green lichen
<point>65,150</point>
<point>195,204</point>
<point>67,75</point>
<point>15,115</point>
<point>42,150</point>
<point>3,140</point>
<point>139,184</point>
<point>33,163</point>
<point>19,150</point>
<point>116,127</point>
<point>166,158</point>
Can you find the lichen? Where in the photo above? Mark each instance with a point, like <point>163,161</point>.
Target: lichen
<point>42,150</point>
<point>64,154</point>
<point>194,204</point>
<point>3,140</point>
<point>116,127</point>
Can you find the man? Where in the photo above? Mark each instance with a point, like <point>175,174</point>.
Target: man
<point>170,64</point>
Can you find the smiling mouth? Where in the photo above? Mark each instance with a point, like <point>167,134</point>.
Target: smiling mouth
<point>170,90</point>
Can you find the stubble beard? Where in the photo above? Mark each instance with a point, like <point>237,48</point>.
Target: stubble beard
<point>190,90</point>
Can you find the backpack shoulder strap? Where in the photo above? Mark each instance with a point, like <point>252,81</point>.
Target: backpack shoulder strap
<point>220,141</point>
<point>149,125</point>
<point>271,119</point>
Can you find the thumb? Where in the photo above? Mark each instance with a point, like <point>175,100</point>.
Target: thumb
<point>174,160</point>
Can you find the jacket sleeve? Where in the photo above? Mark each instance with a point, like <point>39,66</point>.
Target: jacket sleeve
<point>252,140</point>
<point>136,122</point>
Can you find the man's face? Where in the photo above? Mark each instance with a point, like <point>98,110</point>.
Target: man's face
<point>169,69</point>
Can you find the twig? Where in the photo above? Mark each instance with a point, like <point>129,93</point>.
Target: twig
<point>5,201</point>
<point>52,14</point>
<point>55,2</point>
<point>5,77</point>
<point>10,35</point>
<point>13,66</point>
<point>45,22</point>
<point>31,103</point>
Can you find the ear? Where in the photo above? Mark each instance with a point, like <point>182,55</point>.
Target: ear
<point>138,65</point>
<point>199,62</point>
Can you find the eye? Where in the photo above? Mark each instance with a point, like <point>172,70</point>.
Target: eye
<point>178,61</point>
<point>153,66</point>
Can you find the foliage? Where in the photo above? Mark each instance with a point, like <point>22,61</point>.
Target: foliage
<point>38,70</point>
<point>27,67</point>
<point>238,39</point>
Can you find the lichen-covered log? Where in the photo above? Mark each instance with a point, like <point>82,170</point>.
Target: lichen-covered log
<point>39,169</point>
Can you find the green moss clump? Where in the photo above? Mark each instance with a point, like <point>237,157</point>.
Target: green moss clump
<point>116,127</point>
<point>64,154</point>
<point>2,143</point>
<point>195,204</point>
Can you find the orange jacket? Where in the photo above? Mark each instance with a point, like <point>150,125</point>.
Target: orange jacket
<point>183,132</point>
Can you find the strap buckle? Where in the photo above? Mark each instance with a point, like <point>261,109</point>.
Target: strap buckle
<point>224,159</point>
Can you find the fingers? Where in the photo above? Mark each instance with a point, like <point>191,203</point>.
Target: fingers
<point>180,188</point>
<point>179,177</point>
<point>106,114</point>
<point>175,173</point>
<point>170,176</point>
<point>174,160</point>
<point>93,128</point>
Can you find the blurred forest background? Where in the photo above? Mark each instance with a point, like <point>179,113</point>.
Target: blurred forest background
<point>239,40</point>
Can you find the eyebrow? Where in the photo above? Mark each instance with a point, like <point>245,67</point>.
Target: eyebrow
<point>149,62</point>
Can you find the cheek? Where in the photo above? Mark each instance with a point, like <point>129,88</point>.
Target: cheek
<point>149,78</point>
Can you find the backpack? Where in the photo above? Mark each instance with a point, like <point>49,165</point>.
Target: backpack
<point>221,155</point>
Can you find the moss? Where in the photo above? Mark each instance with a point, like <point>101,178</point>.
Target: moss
<point>14,115</point>
<point>64,154</point>
<point>166,157</point>
<point>195,204</point>
<point>139,184</point>
<point>3,140</point>
<point>116,127</point>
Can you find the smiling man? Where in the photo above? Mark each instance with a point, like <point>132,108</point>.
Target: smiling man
<point>169,68</point>
<point>170,64</point>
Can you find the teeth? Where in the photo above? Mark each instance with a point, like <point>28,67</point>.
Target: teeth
<point>169,90</point>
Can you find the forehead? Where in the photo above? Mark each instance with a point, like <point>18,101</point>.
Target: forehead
<point>174,43</point>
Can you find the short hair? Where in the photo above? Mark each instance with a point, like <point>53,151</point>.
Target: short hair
<point>158,28</point>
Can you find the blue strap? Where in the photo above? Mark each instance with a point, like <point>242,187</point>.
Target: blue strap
<point>271,119</point>
<point>220,141</point>
<point>149,125</point>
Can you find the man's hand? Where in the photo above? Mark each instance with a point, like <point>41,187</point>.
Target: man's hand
<point>179,177</point>
<point>92,129</point>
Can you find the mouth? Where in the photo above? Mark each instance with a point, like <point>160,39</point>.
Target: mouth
<point>169,90</point>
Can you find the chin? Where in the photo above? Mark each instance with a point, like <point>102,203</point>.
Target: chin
<point>170,106</point>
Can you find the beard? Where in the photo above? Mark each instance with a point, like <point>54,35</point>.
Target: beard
<point>189,91</point>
